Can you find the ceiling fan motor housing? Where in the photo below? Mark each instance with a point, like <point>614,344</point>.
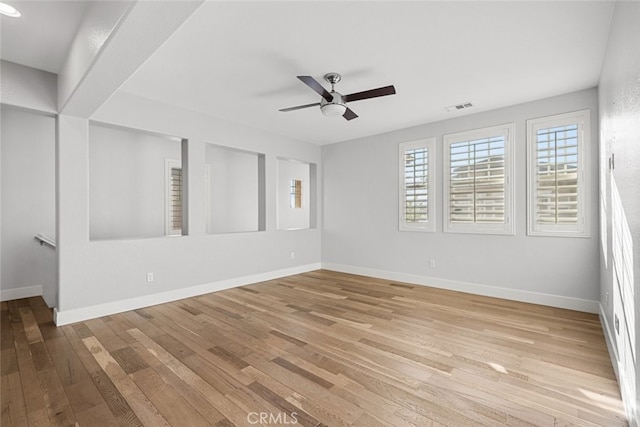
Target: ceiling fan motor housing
<point>335,107</point>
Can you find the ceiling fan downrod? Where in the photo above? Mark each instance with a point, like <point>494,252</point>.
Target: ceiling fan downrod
<point>332,78</point>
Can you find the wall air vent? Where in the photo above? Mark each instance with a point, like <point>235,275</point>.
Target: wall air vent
<point>457,107</point>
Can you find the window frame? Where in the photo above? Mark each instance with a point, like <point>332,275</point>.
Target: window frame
<point>582,227</point>
<point>430,145</point>
<point>508,226</point>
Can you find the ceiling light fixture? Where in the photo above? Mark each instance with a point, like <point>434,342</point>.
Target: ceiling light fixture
<point>9,10</point>
<point>333,110</point>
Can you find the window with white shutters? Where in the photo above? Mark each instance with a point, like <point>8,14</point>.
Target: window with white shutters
<point>295,193</point>
<point>556,183</point>
<point>174,198</point>
<point>417,195</point>
<point>478,181</point>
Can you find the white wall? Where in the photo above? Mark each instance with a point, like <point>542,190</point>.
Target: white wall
<point>127,182</point>
<point>290,217</point>
<point>361,234</point>
<point>114,39</point>
<point>27,87</point>
<point>233,190</point>
<point>99,20</point>
<point>98,277</point>
<point>619,99</point>
<point>27,146</point>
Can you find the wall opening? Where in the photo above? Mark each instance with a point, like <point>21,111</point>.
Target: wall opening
<point>296,194</point>
<point>235,190</point>
<point>137,184</point>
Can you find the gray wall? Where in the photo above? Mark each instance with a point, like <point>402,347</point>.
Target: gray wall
<point>27,146</point>
<point>619,98</point>
<point>127,182</point>
<point>100,276</point>
<point>361,218</point>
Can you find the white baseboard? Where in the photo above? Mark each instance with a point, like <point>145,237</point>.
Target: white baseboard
<point>84,313</point>
<point>472,288</point>
<point>608,337</point>
<point>18,293</point>
<point>634,419</point>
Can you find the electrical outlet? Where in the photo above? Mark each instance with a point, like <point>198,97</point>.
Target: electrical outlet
<point>293,255</point>
<point>616,323</point>
<point>150,277</point>
<point>432,263</point>
<point>606,297</point>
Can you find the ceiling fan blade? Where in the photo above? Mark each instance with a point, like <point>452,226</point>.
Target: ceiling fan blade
<point>349,114</point>
<point>313,84</point>
<point>300,107</point>
<point>373,93</point>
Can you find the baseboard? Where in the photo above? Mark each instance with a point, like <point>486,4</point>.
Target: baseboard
<point>80,314</point>
<point>18,293</point>
<point>613,355</point>
<point>472,288</point>
<point>608,337</point>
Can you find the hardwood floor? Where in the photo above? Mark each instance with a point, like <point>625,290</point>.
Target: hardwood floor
<point>321,348</point>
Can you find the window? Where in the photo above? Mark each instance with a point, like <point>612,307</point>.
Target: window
<point>556,184</point>
<point>295,193</point>
<point>174,198</point>
<point>478,179</point>
<point>417,183</point>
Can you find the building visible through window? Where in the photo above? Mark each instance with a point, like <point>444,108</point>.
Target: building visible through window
<point>478,188</point>
<point>416,181</point>
<point>477,181</point>
<point>417,191</point>
<point>557,179</point>
<point>557,175</point>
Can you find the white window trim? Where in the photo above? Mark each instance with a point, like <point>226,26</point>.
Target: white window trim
<point>582,228</point>
<point>168,165</point>
<point>430,225</point>
<point>508,227</point>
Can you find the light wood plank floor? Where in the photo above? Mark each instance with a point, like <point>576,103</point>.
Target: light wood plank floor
<point>320,348</point>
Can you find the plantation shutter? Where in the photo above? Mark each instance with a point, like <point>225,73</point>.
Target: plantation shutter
<point>557,175</point>
<point>175,201</point>
<point>416,185</point>
<point>295,193</point>
<point>477,181</point>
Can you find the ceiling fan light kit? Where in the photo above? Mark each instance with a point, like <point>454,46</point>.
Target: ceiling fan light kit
<point>333,110</point>
<point>333,104</point>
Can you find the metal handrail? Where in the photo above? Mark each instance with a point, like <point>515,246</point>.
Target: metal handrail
<point>45,240</point>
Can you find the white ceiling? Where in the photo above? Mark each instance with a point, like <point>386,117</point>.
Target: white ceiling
<point>239,60</point>
<point>41,37</point>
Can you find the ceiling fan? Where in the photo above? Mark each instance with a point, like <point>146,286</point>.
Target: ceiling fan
<point>335,104</point>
